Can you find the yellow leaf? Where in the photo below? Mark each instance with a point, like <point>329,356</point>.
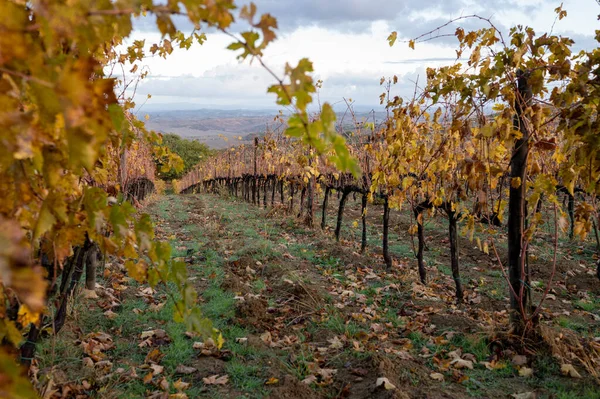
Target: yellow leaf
<point>392,38</point>
<point>568,369</point>
<point>220,341</point>
<point>272,381</point>
<point>515,182</point>
<point>525,372</point>
<point>25,316</point>
<point>137,271</point>
<point>180,385</point>
<point>45,221</point>
<point>9,331</point>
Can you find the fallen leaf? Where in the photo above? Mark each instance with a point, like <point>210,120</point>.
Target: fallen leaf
<point>110,315</point>
<point>568,369</point>
<point>180,385</point>
<point>524,395</point>
<point>382,381</point>
<point>164,384</point>
<point>216,380</point>
<point>266,337</point>
<point>89,294</point>
<point>157,369</point>
<point>519,360</point>
<point>182,369</point>
<point>360,372</point>
<point>272,381</point>
<point>437,376</point>
<point>147,378</point>
<point>335,343</point>
<point>310,379</point>
<point>525,372</point>
<point>154,356</point>
<point>198,345</point>
<point>327,374</point>
<point>462,363</point>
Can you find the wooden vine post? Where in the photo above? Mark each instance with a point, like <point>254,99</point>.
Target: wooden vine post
<point>254,194</point>
<point>386,229</point>
<point>324,210</point>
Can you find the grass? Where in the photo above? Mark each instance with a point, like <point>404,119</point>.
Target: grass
<point>338,325</point>
<point>236,230</point>
<point>572,324</point>
<point>592,305</point>
<point>473,344</point>
<point>246,377</point>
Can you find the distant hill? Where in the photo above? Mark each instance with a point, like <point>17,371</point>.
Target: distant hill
<point>220,128</point>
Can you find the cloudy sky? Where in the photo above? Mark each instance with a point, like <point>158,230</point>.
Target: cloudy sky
<point>346,40</point>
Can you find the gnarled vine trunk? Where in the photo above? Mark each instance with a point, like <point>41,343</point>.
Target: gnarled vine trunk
<point>516,207</point>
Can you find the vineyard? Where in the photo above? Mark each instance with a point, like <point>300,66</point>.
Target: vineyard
<point>451,250</point>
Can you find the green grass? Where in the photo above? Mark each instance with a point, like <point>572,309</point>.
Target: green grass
<point>338,325</point>
<point>246,377</point>
<point>571,324</point>
<point>298,364</point>
<point>418,340</point>
<point>591,306</point>
<point>473,344</point>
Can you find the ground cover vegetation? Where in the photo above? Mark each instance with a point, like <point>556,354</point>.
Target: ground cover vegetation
<point>460,260</point>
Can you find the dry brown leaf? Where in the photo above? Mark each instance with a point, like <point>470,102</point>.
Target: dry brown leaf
<point>180,385</point>
<point>147,378</point>
<point>89,294</point>
<point>110,315</point>
<point>164,384</point>
<point>404,355</point>
<point>154,356</point>
<point>524,395</point>
<point>198,345</point>
<point>310,379</point>
<point>459,363</point>
<point>178,395</point>
<point>335,343</point>
<point>437,376</point>
<point>327,374</point>
<point>157,369</point>
<point>519,360</point>
<point>216,380</point>
<point>182,369</point>
<point>266,337</point>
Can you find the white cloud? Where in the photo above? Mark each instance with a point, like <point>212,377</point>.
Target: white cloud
<point>350,61</point>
